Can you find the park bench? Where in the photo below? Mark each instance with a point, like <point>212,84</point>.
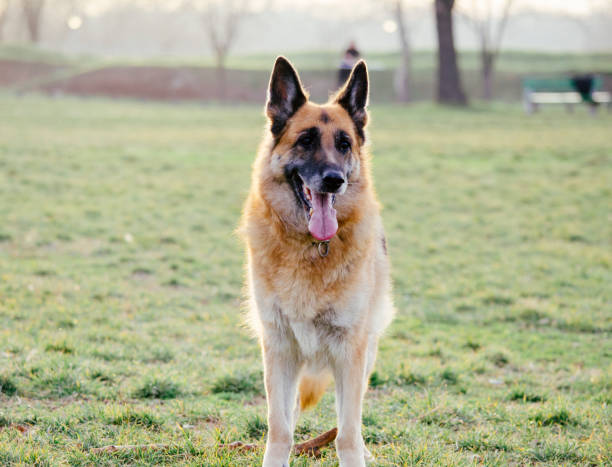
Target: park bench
<point>565,90</point>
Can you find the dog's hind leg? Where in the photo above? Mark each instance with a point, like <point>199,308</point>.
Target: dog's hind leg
<point>280,373</point>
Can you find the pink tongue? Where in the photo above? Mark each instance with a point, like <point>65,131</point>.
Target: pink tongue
<point>323,224</point>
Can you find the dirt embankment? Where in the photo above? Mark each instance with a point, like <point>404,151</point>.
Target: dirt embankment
<point>192,83</point>
<point>147,82</point>
<point>15,72</point>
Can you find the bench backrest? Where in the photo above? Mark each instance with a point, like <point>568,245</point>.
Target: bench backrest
<point>556,84</point>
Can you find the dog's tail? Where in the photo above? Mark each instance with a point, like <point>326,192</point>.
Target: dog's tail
<point>311,388</point>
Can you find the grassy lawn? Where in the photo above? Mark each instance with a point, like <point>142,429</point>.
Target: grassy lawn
<point>511,61</point>
<point>121,275</point>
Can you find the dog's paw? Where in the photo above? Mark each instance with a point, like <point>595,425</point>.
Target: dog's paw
<point>353,458</point>
<point>275,463</point>
<point>277,455</point>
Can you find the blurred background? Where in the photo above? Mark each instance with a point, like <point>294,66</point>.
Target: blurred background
<point>223,50</point>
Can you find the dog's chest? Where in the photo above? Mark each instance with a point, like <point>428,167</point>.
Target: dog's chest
<point>315,335</point>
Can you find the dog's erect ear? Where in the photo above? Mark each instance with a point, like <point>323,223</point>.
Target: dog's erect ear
<point>354,96</point>
<point>285,94</point>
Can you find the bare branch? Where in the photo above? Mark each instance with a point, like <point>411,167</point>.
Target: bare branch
<point>4,4</point>
<point>221,21</point>
<point>32,12</point>
<point>471,19</point>
<point>4,8</point>
<point>402,79</point>
<point>495,46</point>
<point>483,24</point>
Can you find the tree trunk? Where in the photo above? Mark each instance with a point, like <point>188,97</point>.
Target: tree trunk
<point>220,71</point>
<point>487,59</point>
<point>3,15</point>
<point>32,11</point>
<point>403,78</point>
<point>449,80</point>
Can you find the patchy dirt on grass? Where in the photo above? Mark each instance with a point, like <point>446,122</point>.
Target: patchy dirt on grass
<point>148,82</point>
<point>162,83</point>
<point>14,72</point>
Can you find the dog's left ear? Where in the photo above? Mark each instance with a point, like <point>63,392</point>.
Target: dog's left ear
<point>285,95</point>
<point>354,96</point>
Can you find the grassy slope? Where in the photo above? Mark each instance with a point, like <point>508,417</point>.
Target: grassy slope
<point>423,60</point>
<point>120,284</point>
<point>249,74</point>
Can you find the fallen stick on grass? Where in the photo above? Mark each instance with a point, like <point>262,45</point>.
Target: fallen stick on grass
<point>312,446</point>
<point>239,446</point>
<point>130,447</point>
<point>309,448</point>
<point>20,428</point>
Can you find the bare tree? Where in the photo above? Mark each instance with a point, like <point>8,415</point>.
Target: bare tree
<point>450,90</point>
<point>489,29</point>
<point>4,9</point>
<point>221,19</point>
<point>32,12</point>
<point>404,73</point>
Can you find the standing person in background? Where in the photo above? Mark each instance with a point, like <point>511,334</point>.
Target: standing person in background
<point>584,84</point>
<point>350,58</point>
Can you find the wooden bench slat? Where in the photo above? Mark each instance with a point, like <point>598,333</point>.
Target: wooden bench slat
<point>555,98</point>
<point>601,97</point>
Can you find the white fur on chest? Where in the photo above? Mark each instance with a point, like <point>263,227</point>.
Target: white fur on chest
<point>326,332</point>
<point>307,322</point>
<point>307,337</point>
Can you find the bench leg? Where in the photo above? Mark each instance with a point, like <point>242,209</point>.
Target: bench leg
<point>528,104</point>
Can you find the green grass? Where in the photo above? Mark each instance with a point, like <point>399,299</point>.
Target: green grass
<point>121,279</point>
<point>511,61</point>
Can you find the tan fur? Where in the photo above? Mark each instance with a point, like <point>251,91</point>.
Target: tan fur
<point>315,314</point>
<point>311,389</point>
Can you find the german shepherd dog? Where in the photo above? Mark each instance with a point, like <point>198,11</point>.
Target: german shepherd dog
<point>317,273</point>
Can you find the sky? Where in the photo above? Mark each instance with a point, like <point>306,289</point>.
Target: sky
<point>574,26</point>
<point>573,7</point>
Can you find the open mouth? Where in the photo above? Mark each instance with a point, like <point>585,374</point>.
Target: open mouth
<point>319,210</point>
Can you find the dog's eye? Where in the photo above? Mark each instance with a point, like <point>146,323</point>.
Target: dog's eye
<point>343,146</point>
<point>305,141</point>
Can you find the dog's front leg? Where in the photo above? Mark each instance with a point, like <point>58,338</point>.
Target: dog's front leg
<point>350,387</point>
<point>280,373</point>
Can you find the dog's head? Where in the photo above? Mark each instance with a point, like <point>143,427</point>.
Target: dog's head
<point>317,149</point>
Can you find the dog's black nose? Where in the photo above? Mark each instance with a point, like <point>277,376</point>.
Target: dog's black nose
<point>332,180</point>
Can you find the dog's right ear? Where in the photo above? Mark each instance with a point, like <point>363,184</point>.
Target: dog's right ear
<point>285,95</point>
